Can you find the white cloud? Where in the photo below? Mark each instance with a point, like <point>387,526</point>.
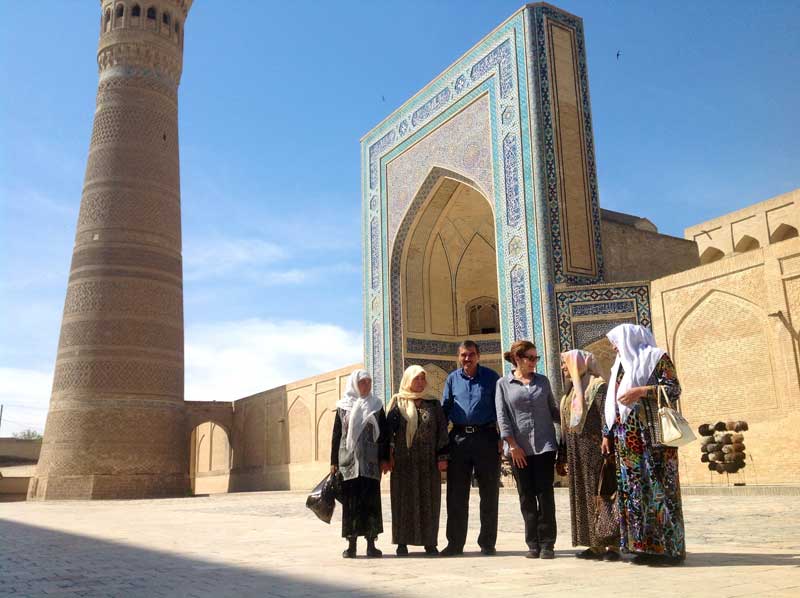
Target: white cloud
<point>230,360</point>
<point>217,257</point>
<point>225,361</point>
<point>25,395</point>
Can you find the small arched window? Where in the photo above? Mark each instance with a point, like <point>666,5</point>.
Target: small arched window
<point>711,254</point>
<point>783,232</point>
<point>151,13</point>
<point>746,243</point>
<point>120,11</point>
<point>136,11</point>
<point>177,27</point>
<point>165,18</point>
<point>483,316</point>
<point>107,25</point>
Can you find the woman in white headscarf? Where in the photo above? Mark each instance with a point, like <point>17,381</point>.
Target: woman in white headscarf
<point>360,451</point>
<point>418,440</point>
<point>580,455</point>
<point>648,488</point>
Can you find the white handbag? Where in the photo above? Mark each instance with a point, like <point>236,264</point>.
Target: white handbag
<point>675,430</point>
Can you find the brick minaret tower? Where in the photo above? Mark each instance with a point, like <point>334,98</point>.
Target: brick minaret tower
<point>115,428</point>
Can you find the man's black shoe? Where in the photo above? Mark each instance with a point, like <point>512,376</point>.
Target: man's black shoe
<point>488,551</point>
<point>451,551</point>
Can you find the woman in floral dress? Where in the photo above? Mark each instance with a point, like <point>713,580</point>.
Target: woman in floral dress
<point>649,492</point>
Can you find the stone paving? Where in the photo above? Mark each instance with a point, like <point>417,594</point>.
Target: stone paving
<point>269,545</point>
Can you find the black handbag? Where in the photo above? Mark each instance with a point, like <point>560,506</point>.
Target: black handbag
<point>322,499</point>
<point>606,511</point>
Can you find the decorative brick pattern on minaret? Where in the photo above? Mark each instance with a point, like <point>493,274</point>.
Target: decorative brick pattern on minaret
<point>115,428</point>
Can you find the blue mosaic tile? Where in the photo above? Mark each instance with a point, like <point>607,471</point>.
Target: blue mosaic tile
<point>375,257</point>
<point>603,309</point>
<point>430,107</point>
<point>602,300</point>
<point>519,299</point>
<point>539,14</point>
<point>510,170</point>
<point>434,347</point>
<point>501,57</point>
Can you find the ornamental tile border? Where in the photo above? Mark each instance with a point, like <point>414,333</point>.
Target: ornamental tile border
<point>600,301</point>
<point>538,18</point>
<point>428,346</point>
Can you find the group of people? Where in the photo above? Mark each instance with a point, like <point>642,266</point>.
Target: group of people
<point>599,425</point>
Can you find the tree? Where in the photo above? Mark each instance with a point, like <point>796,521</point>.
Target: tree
<point>29,434</point>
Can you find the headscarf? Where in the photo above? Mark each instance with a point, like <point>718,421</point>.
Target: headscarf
<point>405,398</point>
<point>583,372</point>
<point>638,355</point>
<point>360,410</point>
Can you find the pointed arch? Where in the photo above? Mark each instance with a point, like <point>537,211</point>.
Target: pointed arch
<point>783,232</point>
<point>711,254</point>
<point>746,243</point>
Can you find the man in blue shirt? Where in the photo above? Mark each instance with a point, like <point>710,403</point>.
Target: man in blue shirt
<point>468,402</point>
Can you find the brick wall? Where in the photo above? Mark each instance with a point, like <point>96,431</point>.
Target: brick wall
<point>731,327</point>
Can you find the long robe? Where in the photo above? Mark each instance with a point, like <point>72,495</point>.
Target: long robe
<point>416,487</point>
<point>584,459</point>
<point>649,491</point>
<point>361,495</point>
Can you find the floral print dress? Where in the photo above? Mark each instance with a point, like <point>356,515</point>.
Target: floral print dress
<point>649,492</point>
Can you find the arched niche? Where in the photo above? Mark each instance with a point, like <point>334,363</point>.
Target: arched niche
<point>324,433</point>
<point>782,233</point>
<point>711,254</point>
<point>445,215</point>
<point>746,243</point>
<point>722,356</point>
<point>300,429</point>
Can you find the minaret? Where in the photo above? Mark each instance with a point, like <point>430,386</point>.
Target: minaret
<point>115,428</point>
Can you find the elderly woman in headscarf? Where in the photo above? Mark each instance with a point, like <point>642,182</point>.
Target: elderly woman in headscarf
<point>648,489</point>
<point>419,440</point>
<point>580,454</point>
<point>360,451</point>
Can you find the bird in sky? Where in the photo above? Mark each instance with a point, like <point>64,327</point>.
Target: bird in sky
<point>619,53</point>
<point>383,98</point>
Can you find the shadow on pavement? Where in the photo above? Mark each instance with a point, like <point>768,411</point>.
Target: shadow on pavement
<point>36,561</point>
<point>741,559</point>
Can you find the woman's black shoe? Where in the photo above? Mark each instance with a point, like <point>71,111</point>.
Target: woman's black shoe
<point>612,556</point>
<point>402,550</point>
<point>350,552</point>
<point>431,551</point>
<point>590,555</point>
<point>372,550</point>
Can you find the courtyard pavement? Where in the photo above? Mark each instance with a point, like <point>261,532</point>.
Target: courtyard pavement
<point>268,545</point>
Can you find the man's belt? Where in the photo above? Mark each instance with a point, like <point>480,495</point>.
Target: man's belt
<point>473,429</point>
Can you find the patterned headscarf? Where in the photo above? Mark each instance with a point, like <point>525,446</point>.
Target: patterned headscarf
<point>405,398</point>
<point>582,368</point>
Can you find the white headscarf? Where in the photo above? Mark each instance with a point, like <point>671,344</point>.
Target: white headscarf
<point>361,410</point>
<point>638,355</point>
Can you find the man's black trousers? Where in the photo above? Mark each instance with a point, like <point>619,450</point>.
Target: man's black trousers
<point>473,452</point>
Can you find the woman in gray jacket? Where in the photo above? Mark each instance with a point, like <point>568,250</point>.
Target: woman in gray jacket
<point>527,415</point>
<point>360,451</point>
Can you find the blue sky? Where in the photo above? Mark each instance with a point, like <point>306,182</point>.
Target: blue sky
<point>697,118</point>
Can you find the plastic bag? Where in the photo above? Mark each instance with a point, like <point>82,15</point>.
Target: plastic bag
<point>322,499</point>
